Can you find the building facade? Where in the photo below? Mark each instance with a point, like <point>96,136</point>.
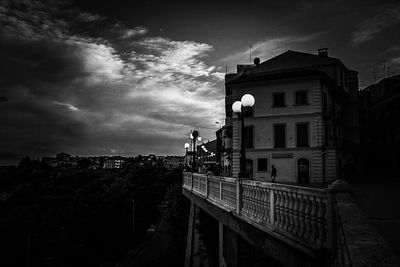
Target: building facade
<point>304,121</point>
<point>380,127</point>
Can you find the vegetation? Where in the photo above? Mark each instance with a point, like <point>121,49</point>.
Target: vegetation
<point>80,217</point>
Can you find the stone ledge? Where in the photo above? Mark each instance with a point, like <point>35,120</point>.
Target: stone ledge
<point>364,244</point>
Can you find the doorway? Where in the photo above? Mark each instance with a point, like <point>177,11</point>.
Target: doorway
<point>303,171</point>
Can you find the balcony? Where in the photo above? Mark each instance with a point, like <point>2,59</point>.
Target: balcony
<point>296,214</point>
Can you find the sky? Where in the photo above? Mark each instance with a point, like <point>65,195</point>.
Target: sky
<point>135,77</point>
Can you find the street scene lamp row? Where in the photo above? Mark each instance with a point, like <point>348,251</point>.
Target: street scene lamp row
<point>239,107</point>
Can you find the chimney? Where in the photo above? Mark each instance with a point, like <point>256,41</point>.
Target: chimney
<point>323,52</point>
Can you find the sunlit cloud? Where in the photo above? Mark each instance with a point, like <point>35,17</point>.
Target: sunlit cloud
<point>134,32</point>
<point>143,98</point>
<point>68,106</point>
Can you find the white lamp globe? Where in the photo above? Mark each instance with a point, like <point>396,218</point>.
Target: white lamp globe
<point>237,107</point>
<point>186,145</point>
<point>247,100</point>
<point>199,138</point>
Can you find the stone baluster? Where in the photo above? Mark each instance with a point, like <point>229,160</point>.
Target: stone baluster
<point>267,205</point>
<point>291,214</point>
<point>277,208</point>
<point>296,207</point>
<point>287,212</point>
<point>283,209</point>
<point>249,199</point>
<point>321,221</point>
<point>272,206</point>
<point>257,203</point>
<point>307,218</point>
<point>302,209</point>
<point>244,199</point>
<point>264,205</point>
<point>314,212</point>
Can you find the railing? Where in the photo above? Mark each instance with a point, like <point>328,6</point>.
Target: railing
<point>298,213</point>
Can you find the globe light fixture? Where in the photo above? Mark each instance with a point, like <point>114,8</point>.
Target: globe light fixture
<point>247,101</point>
<point>186,148</point>
<point>237,107</point>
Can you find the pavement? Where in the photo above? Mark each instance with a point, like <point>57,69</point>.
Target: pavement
<point>379,199</point>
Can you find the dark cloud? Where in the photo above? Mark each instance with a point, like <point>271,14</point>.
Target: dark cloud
<point>79,82</point>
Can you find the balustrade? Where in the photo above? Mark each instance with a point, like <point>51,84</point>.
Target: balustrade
<point>297,212</point>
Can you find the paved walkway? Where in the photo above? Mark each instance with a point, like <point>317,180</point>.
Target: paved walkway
<point>379,198</point>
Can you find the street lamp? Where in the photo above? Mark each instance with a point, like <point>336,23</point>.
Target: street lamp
<point>194,136</point>
<point>239,107</point>
<point>186,147</point>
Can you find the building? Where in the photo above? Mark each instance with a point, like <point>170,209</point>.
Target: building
<point>206,153</point>
<point>305,117</point>
<point>171,162</point>
<point>380,127</point>
<point>63,159</point>
<point>115,162</point>
<point>224,149</point>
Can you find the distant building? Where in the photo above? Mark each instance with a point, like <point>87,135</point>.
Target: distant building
<point>224,149</point>
<point>63,159</point>
<point>51,161</point>
<point>114,162</point>
<point>171,162</point>
<point>304,121</point>
<point>380,126</point>
<point>206,153</point>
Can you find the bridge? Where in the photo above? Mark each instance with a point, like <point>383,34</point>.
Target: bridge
<point>271,224</point>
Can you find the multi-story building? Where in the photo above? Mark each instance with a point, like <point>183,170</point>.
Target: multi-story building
<point>380,127</point>
<point>305,117</point>
<point>115,162</point>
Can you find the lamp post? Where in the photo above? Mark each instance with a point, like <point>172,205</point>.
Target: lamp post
<point>239,107</point>
<point>194,136</point>
<point>186,147</point>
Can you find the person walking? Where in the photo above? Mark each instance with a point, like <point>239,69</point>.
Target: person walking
<point>273,173</point>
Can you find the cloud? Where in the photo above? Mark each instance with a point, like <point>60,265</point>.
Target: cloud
<point>134,32</point>
<point>370,28</point>
<point>68,106</point>
<point>268,48</point>
<point>115,89</point>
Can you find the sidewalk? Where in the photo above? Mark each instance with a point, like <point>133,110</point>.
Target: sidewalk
<point>379,198</point>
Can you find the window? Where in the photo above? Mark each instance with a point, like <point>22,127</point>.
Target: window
<point>302,134</point>
<point>301,98</point>
<point>248,137</point>
<point>262,164</point>
<point>279,99</point>
<point>279,135</point>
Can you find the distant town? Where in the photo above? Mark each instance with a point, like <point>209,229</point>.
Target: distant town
<point>65,160</point>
